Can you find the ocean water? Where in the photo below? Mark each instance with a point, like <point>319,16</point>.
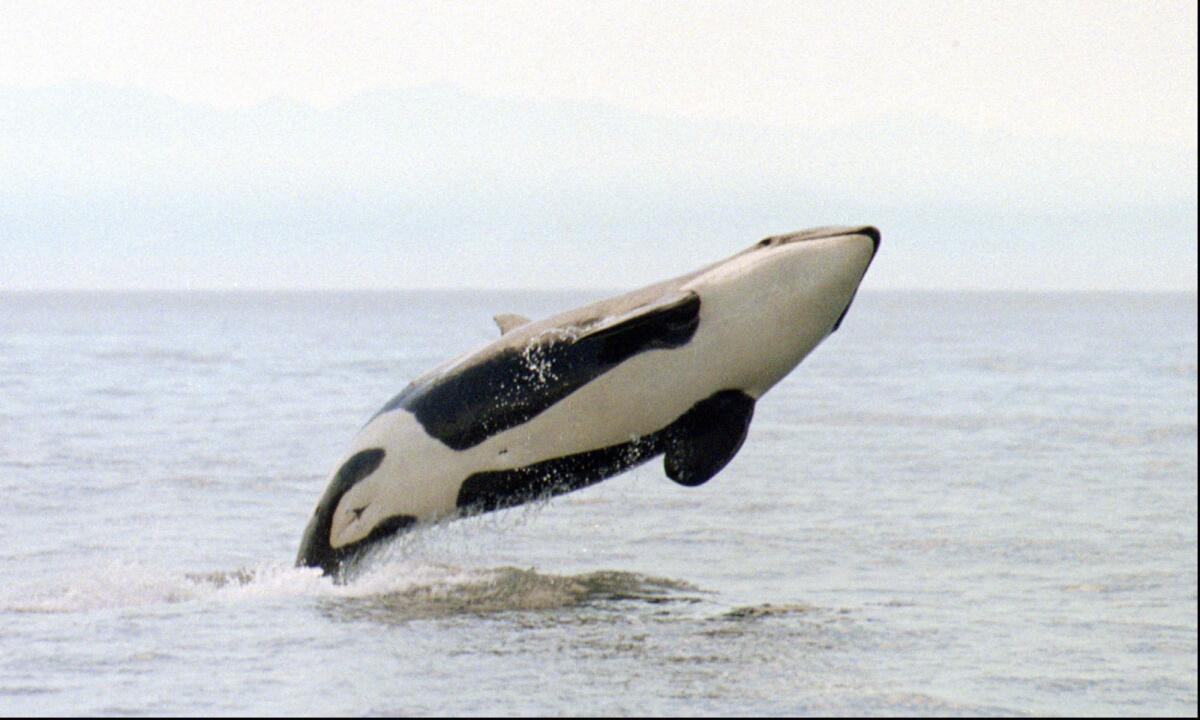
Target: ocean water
<point>959,504</point>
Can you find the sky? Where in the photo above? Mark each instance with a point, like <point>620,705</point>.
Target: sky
<point>1012,146</point>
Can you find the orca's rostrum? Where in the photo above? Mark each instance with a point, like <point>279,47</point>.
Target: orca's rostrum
<point>673,369</point>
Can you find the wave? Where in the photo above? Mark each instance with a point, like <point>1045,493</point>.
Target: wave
<point>393,591</point>
<point>768,610</point>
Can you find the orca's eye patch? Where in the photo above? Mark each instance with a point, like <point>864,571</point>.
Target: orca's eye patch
<point>353,471</point>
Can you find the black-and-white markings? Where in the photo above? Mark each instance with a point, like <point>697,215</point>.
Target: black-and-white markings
<point>555,405</point>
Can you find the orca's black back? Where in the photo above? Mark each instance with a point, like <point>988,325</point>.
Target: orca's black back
<point>469,405</point>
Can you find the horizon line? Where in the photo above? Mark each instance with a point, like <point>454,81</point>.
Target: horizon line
<point>233,290</point>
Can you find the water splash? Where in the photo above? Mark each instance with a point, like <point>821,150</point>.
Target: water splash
<point>392,590</point>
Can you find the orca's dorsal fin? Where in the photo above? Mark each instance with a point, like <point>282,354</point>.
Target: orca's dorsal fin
<point>507,322</point>
<point>705,438</point>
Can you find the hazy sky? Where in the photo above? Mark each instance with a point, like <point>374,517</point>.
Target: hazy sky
<point>997,145</point>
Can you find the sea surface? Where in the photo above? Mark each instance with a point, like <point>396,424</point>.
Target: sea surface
<point>959,504</point>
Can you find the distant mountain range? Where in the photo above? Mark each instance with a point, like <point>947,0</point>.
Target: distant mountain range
<point>112,187</point>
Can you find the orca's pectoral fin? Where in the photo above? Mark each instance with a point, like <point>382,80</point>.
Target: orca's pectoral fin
<point>509,321</point>
<point>705,438</point>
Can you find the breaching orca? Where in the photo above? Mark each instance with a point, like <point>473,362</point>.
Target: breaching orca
<point>673,369</point>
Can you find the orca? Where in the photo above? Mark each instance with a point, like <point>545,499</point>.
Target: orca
<point>673,369</point>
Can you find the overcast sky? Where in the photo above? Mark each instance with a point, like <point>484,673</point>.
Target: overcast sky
<point>344,145</point>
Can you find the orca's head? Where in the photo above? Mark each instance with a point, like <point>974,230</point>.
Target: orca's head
<point>771,304</point>
<point>325,544</point>
<point>854,247</point>
<point>841,254</point>
<point>812,273</point>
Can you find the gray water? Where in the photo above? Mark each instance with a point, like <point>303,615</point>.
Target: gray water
<point>959,504</point>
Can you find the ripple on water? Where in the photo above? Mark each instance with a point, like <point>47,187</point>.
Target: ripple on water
<point>509,589</point>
